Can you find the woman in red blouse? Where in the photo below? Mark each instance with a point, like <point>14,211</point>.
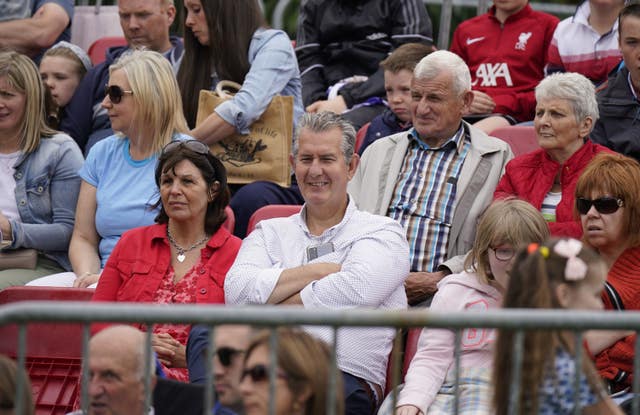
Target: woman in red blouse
<point>183,258</point>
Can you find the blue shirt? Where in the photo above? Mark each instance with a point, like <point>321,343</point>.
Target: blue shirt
<point>125,190</point>
<point>557,389</point>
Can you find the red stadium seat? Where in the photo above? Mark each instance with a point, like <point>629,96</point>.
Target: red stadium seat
<point>98,48</point>
<point>521,139</point>
<point>230,222</point>
<point>53,352</point>
<point>271,211</point>
<point>362,132</point>
<point>410,348</point>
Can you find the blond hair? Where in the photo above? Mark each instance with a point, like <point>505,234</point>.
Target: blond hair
<point>155,94</point>
<point>22,74</point>
<point>505,222</point>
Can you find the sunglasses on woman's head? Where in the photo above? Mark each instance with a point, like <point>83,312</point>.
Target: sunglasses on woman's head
<point>225,354</point>
<point>259,373</point>
<point>193,145</point>
<point>604,205</point>
<point>115,93</point>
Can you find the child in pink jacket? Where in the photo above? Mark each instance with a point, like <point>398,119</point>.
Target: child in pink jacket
<point>429,383</point>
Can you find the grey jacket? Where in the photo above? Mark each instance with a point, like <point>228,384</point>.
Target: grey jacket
<point>374,182</point>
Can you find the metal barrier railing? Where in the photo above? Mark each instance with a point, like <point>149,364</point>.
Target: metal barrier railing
<point>23,313</point>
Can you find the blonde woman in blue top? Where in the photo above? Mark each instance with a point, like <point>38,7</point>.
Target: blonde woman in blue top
<point>118,187</point>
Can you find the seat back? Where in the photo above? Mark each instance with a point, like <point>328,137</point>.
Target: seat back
<point>53,352</point>
<point>410,348</point>
<point>230,222</point>
<point>360,135</point>
<point>98,48</point>
<point>521,139</point>
<point>271,211</point>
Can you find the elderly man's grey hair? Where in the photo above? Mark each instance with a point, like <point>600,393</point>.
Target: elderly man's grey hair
<point>325,121</point>
<point>440,61</point>
<point>573,87</point>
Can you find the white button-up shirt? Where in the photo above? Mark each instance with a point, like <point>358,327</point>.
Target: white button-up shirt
<point>374,257</point>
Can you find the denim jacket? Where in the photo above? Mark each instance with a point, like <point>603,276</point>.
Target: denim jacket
<point>47,186</point>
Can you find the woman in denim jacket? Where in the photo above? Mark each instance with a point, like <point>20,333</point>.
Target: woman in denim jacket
<point>39,180</point>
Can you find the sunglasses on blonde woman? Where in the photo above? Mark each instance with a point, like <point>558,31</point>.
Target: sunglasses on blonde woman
<point>604,205</point>
<point>115,93</point>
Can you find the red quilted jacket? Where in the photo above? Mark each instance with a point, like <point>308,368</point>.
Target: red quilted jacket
<point>616,362</point>
<point>530,177</point>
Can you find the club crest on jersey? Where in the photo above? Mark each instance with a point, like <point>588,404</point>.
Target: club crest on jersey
<point>522,40</point>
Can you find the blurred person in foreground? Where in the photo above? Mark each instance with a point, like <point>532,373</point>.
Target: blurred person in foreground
<point>302,375</point>
<point>9,372</point>
<point>117,371</point>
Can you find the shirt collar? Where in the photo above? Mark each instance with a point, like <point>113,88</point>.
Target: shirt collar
<point>526,10</point>
<point>456,141</point>
<point>302,219</point>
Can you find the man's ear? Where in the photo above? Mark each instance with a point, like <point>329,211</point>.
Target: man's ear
<point>467,100</point>
<point>171,13</point>
<point>292,161</point>
<point>353,165</point>
<point>563,294</point>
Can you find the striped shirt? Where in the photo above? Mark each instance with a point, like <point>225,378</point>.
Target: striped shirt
<point>424,197</point>
<point>577,47</point>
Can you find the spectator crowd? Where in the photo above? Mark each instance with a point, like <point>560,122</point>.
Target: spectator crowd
<point>405,197</point>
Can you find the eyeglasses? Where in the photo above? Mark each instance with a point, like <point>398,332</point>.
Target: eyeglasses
<point>115,93</point>
<point>225,354</point>
<point>193,145</point>
<point>260,373</point>
<point>503,254</point>
<point>604,205</point>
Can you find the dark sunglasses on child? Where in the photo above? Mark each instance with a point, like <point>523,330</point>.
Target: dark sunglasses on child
<point>115,93</point>
<point>604,205</point>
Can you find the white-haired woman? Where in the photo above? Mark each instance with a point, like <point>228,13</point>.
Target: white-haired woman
<point>566,111</point>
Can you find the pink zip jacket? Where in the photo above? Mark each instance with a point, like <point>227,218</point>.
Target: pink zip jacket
<point>434,357</point>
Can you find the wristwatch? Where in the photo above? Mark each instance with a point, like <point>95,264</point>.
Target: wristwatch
<point>3,243</point>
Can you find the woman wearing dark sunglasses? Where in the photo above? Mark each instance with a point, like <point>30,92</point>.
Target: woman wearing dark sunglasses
<point>118,189</point>
<point>301,377</point>
<point>608,203</point>
<point>185,257</point>
<point>566,111</point>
